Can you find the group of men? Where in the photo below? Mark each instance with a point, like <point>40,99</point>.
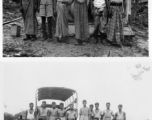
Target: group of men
<point>86,113</point>
<point>108,19</point>
<point>53,113</point>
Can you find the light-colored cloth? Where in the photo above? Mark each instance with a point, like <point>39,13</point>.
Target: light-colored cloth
<point>43,112</point>
<point>30,116</point>
<point>108,114</point>
<point>81,21</point>
<point>128,10</point>
<point>53,112</point>
<point>46,2</point>
<point>100,4</point>
<point>29,16</point>
<point>82,117</point>
<point>46,10</point>
<point>85,111</point>
<point>115,25</point>
<point>97,113</point>
<point>120,116</point>
<point>62,20</point>
<point>71,115</point>
<point>61,112</point>
<point>117,1</point>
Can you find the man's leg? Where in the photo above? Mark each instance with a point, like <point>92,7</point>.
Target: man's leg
<point>27,37</point>
<point>49,28</point>
<point>96,27</point>
<point>44,28</point>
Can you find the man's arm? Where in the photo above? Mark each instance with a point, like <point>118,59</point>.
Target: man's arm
<point>124,116</point>
<point>26,115</point>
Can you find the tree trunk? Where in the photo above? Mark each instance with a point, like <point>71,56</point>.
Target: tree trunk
<point>135,5</point>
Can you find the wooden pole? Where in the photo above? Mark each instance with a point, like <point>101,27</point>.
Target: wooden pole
<point>12,21</point>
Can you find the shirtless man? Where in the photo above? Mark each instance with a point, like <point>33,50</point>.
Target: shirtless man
<point>108,113</point>
<point>43,112</point>
<point>71,114</point>
<point>30,114</point>
<point>84,112</point>
<point>61,113</point>
<point>97,112</point>
<point>120,115</point>
<point>53,112</point>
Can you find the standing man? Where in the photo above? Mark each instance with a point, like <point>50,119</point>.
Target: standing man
<point>115,23</point>
<point>28,9</point>
<point>100,11</point>
<point>71,114</point>
<point>46,12</point>
<point>62,20</point>
<point>120,115</point>
<point>81,22</point>
<point>97,112</point>
<point>91,112</point>
<point>108,113</point>
<point>84,112</point>
<point>53,112</point>
<point>61,113</point>
<point>30,114</point>
<point>43,112</point>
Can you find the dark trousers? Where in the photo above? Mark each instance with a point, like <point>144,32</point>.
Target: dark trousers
<point>49,19</point>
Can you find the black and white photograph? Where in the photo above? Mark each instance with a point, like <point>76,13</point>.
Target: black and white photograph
<point>77,90</point>
<point>75,28</point>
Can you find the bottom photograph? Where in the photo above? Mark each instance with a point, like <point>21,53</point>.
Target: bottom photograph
<point>77,90</point>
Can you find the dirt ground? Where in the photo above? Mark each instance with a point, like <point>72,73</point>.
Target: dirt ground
<point>16,47</point>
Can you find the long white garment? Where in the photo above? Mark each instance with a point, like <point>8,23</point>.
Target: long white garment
<point>128,10</point>
<point>30,116</point>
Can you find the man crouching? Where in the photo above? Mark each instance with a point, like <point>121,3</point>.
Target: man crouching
<point>100,10</point>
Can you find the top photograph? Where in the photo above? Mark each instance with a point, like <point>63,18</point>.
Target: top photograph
<point>75,28</point>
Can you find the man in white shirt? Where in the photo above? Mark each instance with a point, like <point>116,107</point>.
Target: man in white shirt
<point>53,112</point>
<point>120,115</point>
<point>100,8</point>
<point>97,112</point>
<point>84,112</point>
<point>30,114</point>
<point>108,113</point>
<point>43,112</point>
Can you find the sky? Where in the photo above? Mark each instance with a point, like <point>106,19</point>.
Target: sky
<point>127,83</point>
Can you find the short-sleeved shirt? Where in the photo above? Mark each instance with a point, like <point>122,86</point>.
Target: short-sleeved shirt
<point>85,111</point>
<point>43,111</point>
<point>71,114</point>
<point>53,112</point>
<point>108,113</point>
<point>97,113</point>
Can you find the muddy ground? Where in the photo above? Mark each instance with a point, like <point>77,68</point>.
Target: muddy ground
<point>16,47</point>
